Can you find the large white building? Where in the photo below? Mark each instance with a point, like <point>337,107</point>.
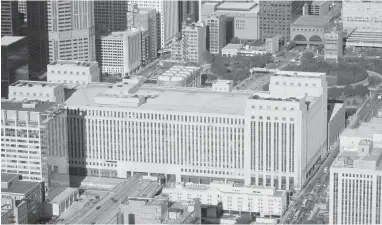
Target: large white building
<point>34,143</point>
<point>73,72</point>
<point>232,197</point>
<point>356,187</point>
<point>167,18</point>
<point>71,30</point>
<point>199,133</point>
<point>120,52</point>
<point>25,90</point>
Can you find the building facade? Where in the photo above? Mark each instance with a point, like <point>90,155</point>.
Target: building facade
<point>319,7</point>
<point>35,142</point>
<point>362,15</point>
<point>356,187</point>
<point>188,11</point>
<point>333,45</point>
<point>167,17</point>
<point>194,37</point>
<point>21,200</point>
<point>277,16</point>
<point>10,19</point>
<point>71,30</point>
<point>203,134</point>
<point>216,33</point>
<point>110,15</point>
<point>14,55</point>
<point>120,52</point>
<point>272,45</point>
<point>37,90</point>
<point>73,72</point>
<point>232,197</point>
<point>146,19</point>
<point>310,30</point>
<point>38,42</point>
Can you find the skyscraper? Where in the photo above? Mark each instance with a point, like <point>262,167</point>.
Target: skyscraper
<point>110,15</point>
<point>188,10</point>
<point>71,30</point>
<point>38,57</point>
<point>276,17</point>
<point>216,33</point>
<point>10,24</point>
<point>167,18</point>
<point>146,19</point>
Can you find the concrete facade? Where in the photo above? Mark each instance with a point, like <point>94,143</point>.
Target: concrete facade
<point>73,72</point>
<point>309,30</point>
<point>201,115</point>
<point>36,90</point>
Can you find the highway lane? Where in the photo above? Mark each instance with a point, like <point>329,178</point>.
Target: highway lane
<point>106,206</point>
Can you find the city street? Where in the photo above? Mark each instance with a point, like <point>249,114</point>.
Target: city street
<point>312,189</point>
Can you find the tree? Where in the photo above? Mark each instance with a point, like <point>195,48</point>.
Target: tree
<point>320,47</point>
<point>235,40</point>
<point>207,57</point>
<point>335,93</point>
<point>373,81</point>
<point>219,65</point>
<point>361,90</point>
<point>308,56</point>
<point>290,45</point>
<point>349,91</point>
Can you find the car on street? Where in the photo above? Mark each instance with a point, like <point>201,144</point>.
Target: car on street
<point>98,207</point>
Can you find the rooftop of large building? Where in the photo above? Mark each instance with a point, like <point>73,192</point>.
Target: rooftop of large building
<point>355,160</point>
<point>319,2</point>
<point>182,210</point>
<point>312,21</point>
<point>229,187</point>
<point>72,63</point>
<point>118,34</point>
<point>237,6</point>
<point>298,74</point>
<point>17,186</point>
<point>30,105</point>
<point>8,40</point>
<point>194,100</point>
<point>34,84</point>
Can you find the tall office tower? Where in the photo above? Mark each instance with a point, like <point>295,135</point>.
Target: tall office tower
<point>333,45</point>
<point>194,37</point>
<point>362,15</point>
<point>216,33</point>
<point>37,24</point>
<point>13,58</point>
<point>355,185</point>
<point>276,17</point>
<point>288,138</point>
<point>167,17</point>
<point>10,19</point>
<point>71,30</point>
<point>147,19</point>
<point>35,142</point>
<point>188,11</point>
<point>119,52</point>
<point>110,15</point>
<point>22,6</point>
<point>145,53</point>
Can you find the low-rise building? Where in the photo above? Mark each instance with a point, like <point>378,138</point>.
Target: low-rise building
<point>233,197</point>
<point>333,45</point>
<point>222,85</point>
<point>63,201</point>
<point>272,44</point>
<point>181,76</point>
<point>73,72</point>
<point>159,210</point>
<point>21,201</point>
<point>36,90</point>
<point>309,30</point>
<point>240,49</point>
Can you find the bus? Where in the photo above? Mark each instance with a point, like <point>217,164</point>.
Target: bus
<point>305,202</point>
